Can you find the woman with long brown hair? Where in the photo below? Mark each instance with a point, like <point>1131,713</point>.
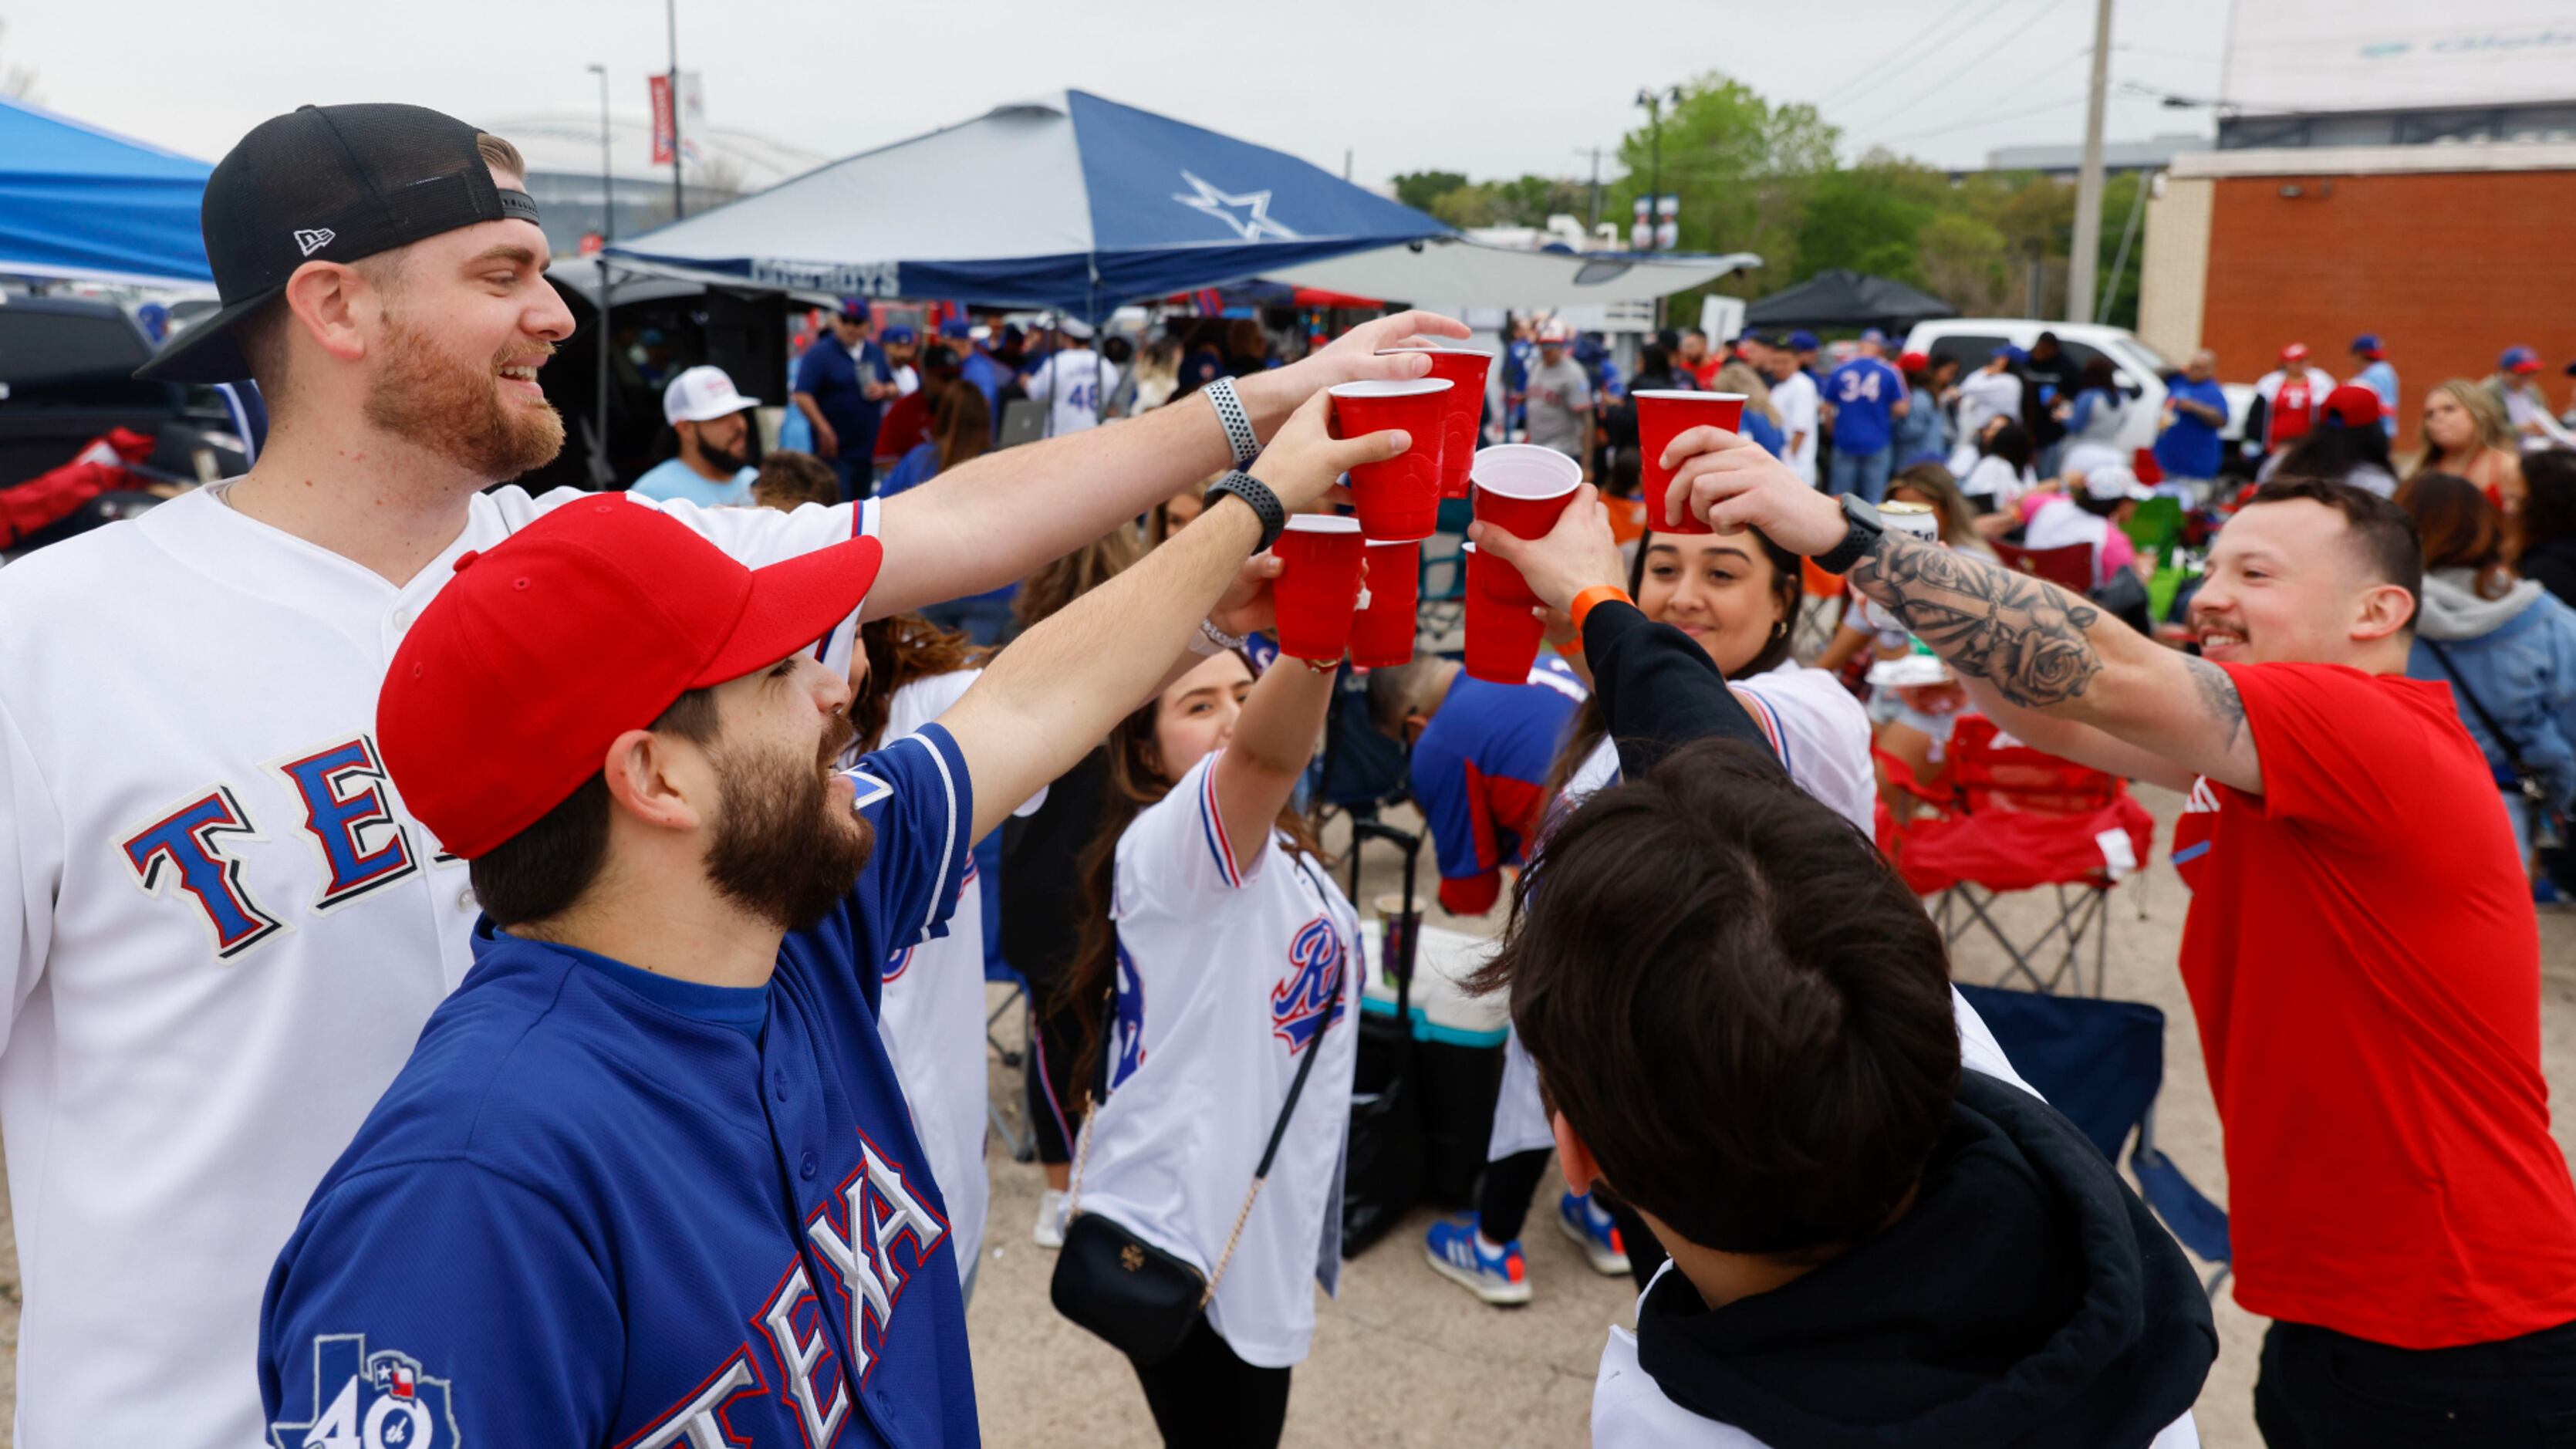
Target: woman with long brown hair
<point>961,430</point>
<point>1222,954</point>
<point>2465,435</point>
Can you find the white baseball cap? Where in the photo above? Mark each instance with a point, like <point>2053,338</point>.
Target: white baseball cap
<point>702,395</point>
<point>1553,333</point>
<point>2109,485</point>
<point>1075,328</point>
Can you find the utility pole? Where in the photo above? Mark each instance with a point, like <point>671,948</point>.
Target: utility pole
<point>607,289</point>
<point>2086,254</point>
<point>1595,224</point>
<point>1653,100</point>
<point>679,199</point>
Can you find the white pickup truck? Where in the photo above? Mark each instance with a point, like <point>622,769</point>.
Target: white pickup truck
<point>2140,369</point>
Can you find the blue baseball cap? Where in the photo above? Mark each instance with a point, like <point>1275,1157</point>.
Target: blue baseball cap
<point>1874,335</point>
<point>2518,359</point>
<point>854,309</point>
<point>2367,344</point>
<point>957,329</point>
<point>2010,351</point>
<point>898,336</point>
<point>1802,340</point>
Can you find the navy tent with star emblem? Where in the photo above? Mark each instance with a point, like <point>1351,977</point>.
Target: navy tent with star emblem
<point>1072,203</point>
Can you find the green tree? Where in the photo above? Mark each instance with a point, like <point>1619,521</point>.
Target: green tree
<point>1419,189</point>
<point>1739,164</point>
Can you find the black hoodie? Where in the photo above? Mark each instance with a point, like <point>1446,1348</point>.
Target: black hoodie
<point>2027,1299</point>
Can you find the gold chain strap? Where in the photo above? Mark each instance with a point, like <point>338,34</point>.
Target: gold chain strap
<point>1073,1197</point>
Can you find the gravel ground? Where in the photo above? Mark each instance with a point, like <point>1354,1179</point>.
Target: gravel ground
<point>1403,1358</point>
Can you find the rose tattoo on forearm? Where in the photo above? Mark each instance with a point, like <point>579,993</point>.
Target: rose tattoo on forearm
<point>2026,638</point>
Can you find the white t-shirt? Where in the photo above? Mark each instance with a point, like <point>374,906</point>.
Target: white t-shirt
<point>1821,735</point>
<point>1984,395</point>
<point>1072,384</point>
<point>1629,1410</point>
<point>1227,970</point>
<point>220,933</point>
<point>1992,477</point>
<point>1795,402</point>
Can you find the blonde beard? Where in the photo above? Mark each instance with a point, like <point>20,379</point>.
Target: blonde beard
<point>455,409</point>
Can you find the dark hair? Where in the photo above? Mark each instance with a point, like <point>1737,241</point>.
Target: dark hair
<point>900,648</point>
<point>1134,783</point>
<point>2458,527</point>
<point>963,425</point>
<point>2098,374</point>
<point>1652,359</point>
<point>545,869</point>
<point>2381,530</point>
<point>1117,350</point>
<point>2011,443</point>
<point>788,479</point>
<point>2549,495</point>
<point>1737,1005</point>
<point>2333,448</point>
<point>1788,585</point>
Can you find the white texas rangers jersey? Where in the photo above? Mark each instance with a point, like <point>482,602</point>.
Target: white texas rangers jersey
<point>931,1013</point>
<point>220,932</point>
<point>1821,735</point>
<point>1228,972</point>
<point>1072,384</point>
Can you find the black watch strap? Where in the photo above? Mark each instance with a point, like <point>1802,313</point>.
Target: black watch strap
<point>1256,495</point>
<point>1859,538</point>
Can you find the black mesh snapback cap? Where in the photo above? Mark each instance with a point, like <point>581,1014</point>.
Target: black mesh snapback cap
<point>329,183</point>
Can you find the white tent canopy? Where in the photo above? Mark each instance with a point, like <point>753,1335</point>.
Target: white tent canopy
<point>1450,274</point>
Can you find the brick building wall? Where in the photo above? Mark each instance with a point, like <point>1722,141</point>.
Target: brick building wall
<point>2449,268</point>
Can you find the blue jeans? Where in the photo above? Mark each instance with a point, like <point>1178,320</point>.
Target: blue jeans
<point>1862,473</point>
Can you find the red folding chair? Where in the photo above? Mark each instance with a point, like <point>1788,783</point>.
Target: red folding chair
<point>2003,818</point>
<point>2070,567</point>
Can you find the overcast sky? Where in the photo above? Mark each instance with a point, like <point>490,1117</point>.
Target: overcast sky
<point>1488,87</point>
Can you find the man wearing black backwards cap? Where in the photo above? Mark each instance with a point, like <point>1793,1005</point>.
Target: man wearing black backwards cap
<point>220,927</point>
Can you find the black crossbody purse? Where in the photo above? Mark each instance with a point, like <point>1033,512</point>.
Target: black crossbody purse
<point>1143,1300</point>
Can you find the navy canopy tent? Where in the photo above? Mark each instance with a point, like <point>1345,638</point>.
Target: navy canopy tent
<point>1073,203</point>
<point>76,201</point>
<point>1839,298</point>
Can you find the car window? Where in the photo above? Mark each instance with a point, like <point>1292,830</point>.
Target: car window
<point>1972,349</point>
<point>2141,355</point>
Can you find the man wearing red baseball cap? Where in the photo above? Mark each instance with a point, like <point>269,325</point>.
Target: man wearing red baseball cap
<point>2289,395</point>
<point>648,1177</point>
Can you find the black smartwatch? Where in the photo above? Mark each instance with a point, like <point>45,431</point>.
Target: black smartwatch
<point>1862,536</point>
<point>1257,496</point>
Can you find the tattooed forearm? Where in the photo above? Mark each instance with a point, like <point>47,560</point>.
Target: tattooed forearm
<point>2218,693</point>
<point>2026,638</point>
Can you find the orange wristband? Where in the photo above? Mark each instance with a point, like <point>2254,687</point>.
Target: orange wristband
<point>1597,594</point>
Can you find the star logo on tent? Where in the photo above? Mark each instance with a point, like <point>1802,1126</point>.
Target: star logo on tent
<point>1248,214</point>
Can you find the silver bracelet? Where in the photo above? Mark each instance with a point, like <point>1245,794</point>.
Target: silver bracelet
<point>1212,641</point>
<point>1231,416</point>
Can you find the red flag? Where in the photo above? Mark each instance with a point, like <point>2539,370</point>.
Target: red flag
<point>661,85</point>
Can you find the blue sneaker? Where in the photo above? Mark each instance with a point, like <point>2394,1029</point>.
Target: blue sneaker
<point>1499,1278</point>
<point>1595,1232</point>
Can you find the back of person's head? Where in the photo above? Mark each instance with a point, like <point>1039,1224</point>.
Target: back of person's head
<point>1117,350</point>
<point>2333,449</point>
<point>963,424</point>
<point>1244,338</point>
<point>2010,442</point>
<point>789,480</point>
<point>1652,359</point>
<point>2549,496</point>
<point>1061,581</point>
<point>2099,374</point>
<point>2460,529</point>
<point>1740,376</point>
<point>1735,1004</point>
<point>901,648</point>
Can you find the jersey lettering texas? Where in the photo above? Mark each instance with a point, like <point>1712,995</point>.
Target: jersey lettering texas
<point>192,849</point>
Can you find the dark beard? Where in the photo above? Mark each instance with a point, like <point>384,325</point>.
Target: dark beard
<point>454,410</point>
<point>785,850</point>
<point>727,461</point>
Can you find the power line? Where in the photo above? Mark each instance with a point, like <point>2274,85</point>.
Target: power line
<point>1976,121</point>
<point>1898,53</point>
<point>2010,35</point>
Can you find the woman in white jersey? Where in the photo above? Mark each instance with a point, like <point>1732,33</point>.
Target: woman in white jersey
<point>905,673</point>
<point>1226,948</point>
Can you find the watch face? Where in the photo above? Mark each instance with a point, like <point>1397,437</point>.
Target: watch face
<point>1863,512</point>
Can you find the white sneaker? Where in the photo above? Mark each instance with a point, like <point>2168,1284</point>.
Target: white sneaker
<point>1049,1231</point>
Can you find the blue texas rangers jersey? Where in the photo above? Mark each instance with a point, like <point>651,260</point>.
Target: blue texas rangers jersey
<point>1479,772</point>
<point>603,1208</point>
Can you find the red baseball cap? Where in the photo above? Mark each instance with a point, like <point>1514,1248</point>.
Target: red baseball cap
<point>2295,352</point>
<point>1913,361</point>
<point>587,623</point>
<point>2354,405</point>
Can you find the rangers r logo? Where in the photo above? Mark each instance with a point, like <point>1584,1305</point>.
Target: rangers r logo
<point>1311,993</point>
<point>369,1401</point>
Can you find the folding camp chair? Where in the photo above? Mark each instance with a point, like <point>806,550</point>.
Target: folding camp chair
<point>2004,817</point>
<point>2070,567</point>
<point>2101,1063</point>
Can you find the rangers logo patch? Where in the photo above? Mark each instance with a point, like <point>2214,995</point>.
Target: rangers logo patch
<point>1311,993</point>
<point>365,1400</point>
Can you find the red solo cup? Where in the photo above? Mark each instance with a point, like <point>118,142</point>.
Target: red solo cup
<point>1463,410</point>
<point>1522,490</point>
<point>1383,634</point>
<point>1502,638</point>
<point>1664,416</point>
<point>1318,588</point>
<point>1398,498</point>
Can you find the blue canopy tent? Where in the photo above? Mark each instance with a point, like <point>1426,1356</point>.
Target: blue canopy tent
<point>1071,203</point>
<point>76,201</point>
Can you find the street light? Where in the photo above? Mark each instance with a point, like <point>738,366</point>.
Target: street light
<point>1654,100</point>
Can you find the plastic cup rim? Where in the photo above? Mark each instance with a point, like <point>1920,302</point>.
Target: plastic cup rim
<point>1392,542</point>
<point>1689,395</point>
<point>1392,387</point>
<point>1321,523</point>
<point>1527,490</point>
<point>1444,351</point>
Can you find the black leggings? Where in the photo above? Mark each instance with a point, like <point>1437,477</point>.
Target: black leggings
<point>1054,1099</point>
<point>1503,1194</point>
<point>1204,1396</point>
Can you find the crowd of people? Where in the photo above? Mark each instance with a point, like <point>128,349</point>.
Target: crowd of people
<point>536,993</point>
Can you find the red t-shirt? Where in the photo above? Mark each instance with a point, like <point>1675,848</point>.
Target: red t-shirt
<point>906,425</point>
<point>2363,958</point>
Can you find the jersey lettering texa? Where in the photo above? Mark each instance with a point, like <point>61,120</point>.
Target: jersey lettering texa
<point>1228,972</point>
<point>220,932</point>
<point>588,1216</point>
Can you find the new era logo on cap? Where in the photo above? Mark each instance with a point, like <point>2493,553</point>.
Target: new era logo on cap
<point>313,239</point>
